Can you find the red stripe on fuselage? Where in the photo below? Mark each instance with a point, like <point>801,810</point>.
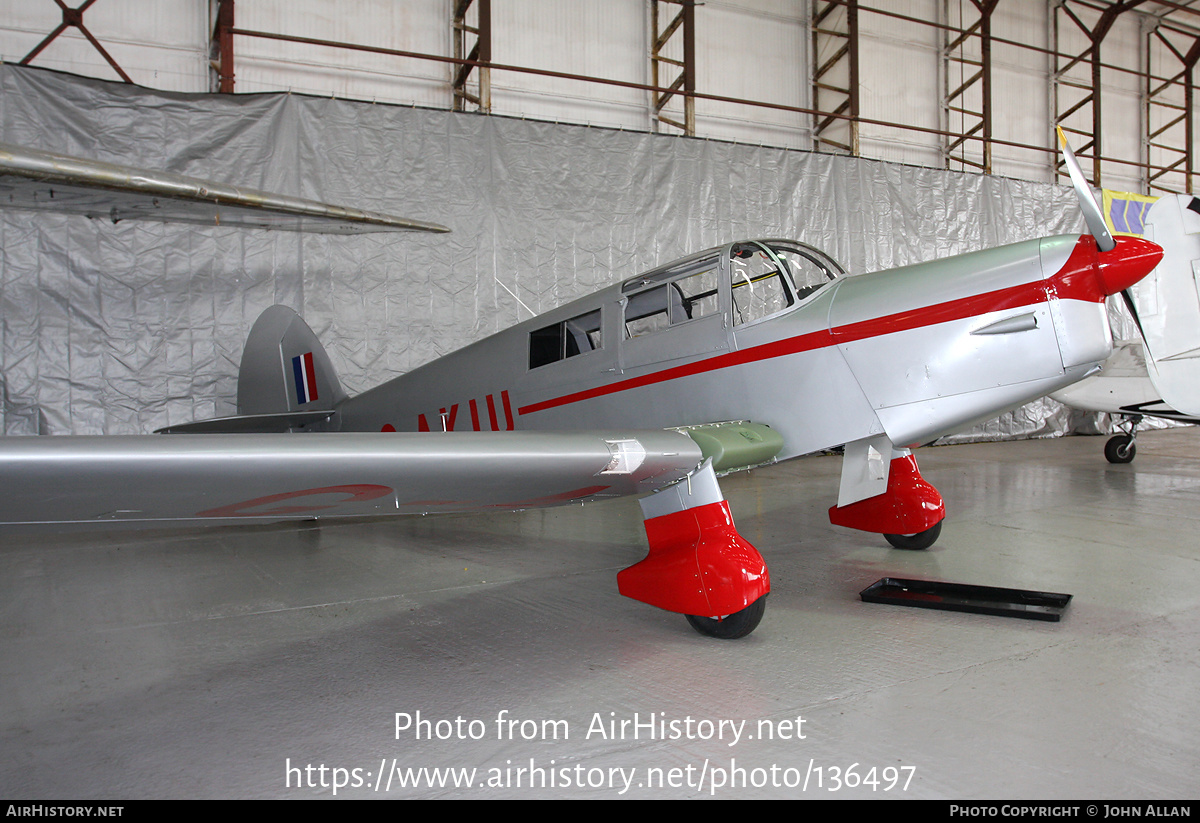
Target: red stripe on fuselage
<point>779,348</point>
<point>1067,283</point>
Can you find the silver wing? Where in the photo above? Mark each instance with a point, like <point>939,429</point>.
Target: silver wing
<point>32,179</point>
<point>267,477</point>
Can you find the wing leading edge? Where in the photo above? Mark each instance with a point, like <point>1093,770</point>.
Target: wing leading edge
<point>33,179</point>
<point>224,478</point>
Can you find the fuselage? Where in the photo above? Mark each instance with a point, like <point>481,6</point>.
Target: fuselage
<point>768,331</point>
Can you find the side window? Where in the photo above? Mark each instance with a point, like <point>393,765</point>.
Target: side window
<point>697,296</point>
<point>758,286</point>
<point>565,339</point>
<point>647,312</point>
<point>688,298</point>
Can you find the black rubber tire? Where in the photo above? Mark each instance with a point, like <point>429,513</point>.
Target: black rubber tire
<point>918,541</point>
<point>732,626</point>
<point>1120,448</point>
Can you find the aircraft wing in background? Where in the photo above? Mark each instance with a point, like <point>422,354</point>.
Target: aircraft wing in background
<point>32,179</point>
<point>1158,375</point>
<point>1123,387</point>
<point>1167,304</point>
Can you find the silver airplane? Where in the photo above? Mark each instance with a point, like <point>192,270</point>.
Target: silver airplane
<point>738,356</point>
<point>1158,373</point>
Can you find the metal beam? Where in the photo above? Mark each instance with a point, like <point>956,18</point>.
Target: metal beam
<point>835,81</point>
<point>1169,114</point>
<point>73,18</point>
<point>220,48</point>
<point>1071,10</point>
<point>674,44</point>
<point>473,47</point>
<point>967,85</point>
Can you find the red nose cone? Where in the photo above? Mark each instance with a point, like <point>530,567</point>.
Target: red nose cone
<point>1129,262</point>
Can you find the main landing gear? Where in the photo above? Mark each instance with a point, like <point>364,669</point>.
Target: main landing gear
<point>698,564</point>
<point>908,514</point>
<point>918,541</point>
<point>731,626</point>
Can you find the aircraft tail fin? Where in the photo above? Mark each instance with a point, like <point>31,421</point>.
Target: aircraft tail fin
<point>1166,304</point>
<point>285,368</point>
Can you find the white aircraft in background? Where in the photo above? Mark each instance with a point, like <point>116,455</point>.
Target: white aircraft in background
<point>745,354</point>
<point>1159,374</point>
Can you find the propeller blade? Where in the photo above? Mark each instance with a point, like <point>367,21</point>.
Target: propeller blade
<point>1092,213</point>
<point>1131,305</point>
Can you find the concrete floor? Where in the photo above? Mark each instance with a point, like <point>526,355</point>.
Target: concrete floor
<point>223,663</point>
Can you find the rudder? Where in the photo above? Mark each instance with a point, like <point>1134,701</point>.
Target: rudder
<point>285,368</point>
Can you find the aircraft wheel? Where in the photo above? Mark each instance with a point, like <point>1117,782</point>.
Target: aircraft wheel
<point>732,626</point>
<point>915,542</point>
<point>1120,449</point>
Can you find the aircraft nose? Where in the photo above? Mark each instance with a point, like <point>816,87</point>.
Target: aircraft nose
<point>1131,260</point>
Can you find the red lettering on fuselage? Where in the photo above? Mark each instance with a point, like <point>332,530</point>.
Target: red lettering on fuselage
<point>508,415</point>
<point>492,414</point>
<point>451,417</point>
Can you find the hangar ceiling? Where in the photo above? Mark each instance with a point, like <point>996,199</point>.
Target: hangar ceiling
<point>983,81</point>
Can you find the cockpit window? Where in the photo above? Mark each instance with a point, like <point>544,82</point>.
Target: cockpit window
<point>565,339</point>
<point>765,277</point>
<point>681,300</point>
<point>759,287</point>
<point>808,271</point>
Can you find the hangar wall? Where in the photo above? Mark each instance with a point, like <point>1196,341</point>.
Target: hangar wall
<point>125,328</point>
<point>749,49</point>
<point>161,45</point>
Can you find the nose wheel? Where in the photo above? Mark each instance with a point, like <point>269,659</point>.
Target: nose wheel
<point>1122,448</point>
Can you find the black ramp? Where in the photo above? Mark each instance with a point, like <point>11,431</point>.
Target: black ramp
<point>960,597</point>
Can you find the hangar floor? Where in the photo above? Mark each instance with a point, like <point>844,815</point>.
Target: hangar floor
<point>225,663</point>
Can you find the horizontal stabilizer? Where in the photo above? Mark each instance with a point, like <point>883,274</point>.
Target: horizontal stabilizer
<point>266,477</point>
<point>32,179</point>
<point>251,423</point>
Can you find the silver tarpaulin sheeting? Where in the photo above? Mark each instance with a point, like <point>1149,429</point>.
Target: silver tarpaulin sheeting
<point>120,329</point>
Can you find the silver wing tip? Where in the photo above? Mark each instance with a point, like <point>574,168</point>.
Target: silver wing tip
<point>432,228</point>
<point>39,179</point>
